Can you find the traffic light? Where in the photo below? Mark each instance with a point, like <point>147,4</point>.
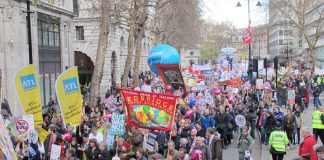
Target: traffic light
<point>255,65</point>
<point>275,61</point>
<point>250,69</point>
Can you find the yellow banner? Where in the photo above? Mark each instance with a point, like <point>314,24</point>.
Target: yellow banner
<point>69,96</point>
<point>27,87</point>
<point>42,134</point>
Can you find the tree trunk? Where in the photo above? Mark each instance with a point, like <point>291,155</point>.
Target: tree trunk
<point>101,50</point>
<point>130,44</point>
<point>138,51</point>
<point>313,57</point>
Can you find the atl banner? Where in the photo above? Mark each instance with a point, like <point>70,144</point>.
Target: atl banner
<point>69,96</point>
<point>27,87</point>
<point>149,110</point>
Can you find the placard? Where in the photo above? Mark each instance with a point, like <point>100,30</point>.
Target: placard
<point>30,120</point>
<point>110,140</point>
<point>291,96</point>
<point>117,124</point>
<point>55,152</point>
<point>150,142</point>
<point>240,121</point>
<point>259,84</point>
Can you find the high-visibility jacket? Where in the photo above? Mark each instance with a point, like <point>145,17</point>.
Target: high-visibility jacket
<point>278,140</point>
<point>316,120</point>
<point>319,80</point>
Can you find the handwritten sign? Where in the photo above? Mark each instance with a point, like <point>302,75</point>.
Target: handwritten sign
<point>30,120</point>
<point>150,142</point>
<point>259,84</point>
<point>55,152</point>
<point>117,124</point>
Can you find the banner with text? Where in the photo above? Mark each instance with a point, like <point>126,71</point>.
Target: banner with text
<point>208,73</point>
<point>69,96</point>
<point>27,87</point>
<point>149,110</point>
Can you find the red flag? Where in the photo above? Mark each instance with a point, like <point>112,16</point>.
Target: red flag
<point>149,110</point>
<point>247,35</point>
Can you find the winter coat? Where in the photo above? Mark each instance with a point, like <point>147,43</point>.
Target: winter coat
<point>92,154</point>
<point>216,148</point>
<point>185,132</point>
<point>306,147</point>
<point>207,121</point>
<point>270,124</point>
<point>105,155</point>
<point>290,123</point>
<point>245,143</point>
<point>280,116</point>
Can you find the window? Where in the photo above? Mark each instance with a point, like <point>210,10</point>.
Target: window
<point>192,53</point>
<point>280,42</point>
<point>290,42</point>
<point>48,34</point>
<point>79,32</point>
<point>280,32</point>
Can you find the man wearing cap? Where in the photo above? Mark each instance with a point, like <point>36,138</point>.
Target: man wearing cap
<point>278,141</point>
<point>50,139</point>
<point>317,123</point>
<point>96,135</point>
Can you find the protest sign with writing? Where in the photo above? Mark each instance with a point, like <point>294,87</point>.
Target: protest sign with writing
<point>28,90</point>
<point>150,142</point>
<point>30,120</point>
<point>149,110</point>
<point>291,96</point>
<point>117,124</point>
<point>110,140</point>
<point>55,152</point>
<point>259,84</point>
<point>69,96</point>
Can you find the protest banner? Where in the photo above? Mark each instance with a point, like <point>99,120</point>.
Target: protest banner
<point>69,96</point>
<point>6,146</point>
<point>291,96</point>
<point>233,82</point>
<point>208,73</point>
<point>55,152</point>
<point>259,84</point>
<point>27,87</point>
<point>42,134</point>
<point>117,124</point>
<point>149,110</point>
<point>171,75</point>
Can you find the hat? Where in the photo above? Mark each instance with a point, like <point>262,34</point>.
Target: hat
<point>120,139</point>
<point>278,125</point>
<point>319,149</point>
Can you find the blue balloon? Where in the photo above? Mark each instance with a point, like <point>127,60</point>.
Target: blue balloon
<point>192,102</point>
<point>162,54</point>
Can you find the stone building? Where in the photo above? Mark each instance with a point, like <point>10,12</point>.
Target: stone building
<point>52,44</point>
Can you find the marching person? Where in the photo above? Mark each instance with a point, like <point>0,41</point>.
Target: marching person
<point>215,144</point>
<point>306,147</point>
<point>245,144</point>
<point>317,123</point>
<point>278,141</point>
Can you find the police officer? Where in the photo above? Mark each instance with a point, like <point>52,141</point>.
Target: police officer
<point>317,123</point>
<point>278,141</point>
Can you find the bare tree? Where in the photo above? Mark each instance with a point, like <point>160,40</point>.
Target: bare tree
<point>101,50</point>
<point>307,16</point>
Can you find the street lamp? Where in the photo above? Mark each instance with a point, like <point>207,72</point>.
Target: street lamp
<point>250,60</point>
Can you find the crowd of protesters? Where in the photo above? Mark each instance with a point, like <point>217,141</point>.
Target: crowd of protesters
<point>201,135</point>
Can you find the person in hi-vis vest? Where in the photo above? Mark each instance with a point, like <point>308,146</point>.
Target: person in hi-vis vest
<point>317,123</point>
<point>278,141</point>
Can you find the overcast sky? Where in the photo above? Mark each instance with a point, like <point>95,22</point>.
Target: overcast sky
<point>226,11</point>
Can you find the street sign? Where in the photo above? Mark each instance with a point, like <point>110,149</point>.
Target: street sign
<point>22,126</point>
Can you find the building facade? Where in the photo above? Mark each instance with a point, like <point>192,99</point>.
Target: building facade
<point>52,44</point>
<point>86,36</point>
<point>285,40</point>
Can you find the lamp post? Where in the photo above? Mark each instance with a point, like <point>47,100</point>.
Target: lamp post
<point>249,16</point>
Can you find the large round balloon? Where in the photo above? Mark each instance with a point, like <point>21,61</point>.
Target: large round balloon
<point>162,54</point>
<point>192,102</point>
<point>197,155</point>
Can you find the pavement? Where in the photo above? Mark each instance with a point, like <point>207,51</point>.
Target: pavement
<point>261,151</point>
